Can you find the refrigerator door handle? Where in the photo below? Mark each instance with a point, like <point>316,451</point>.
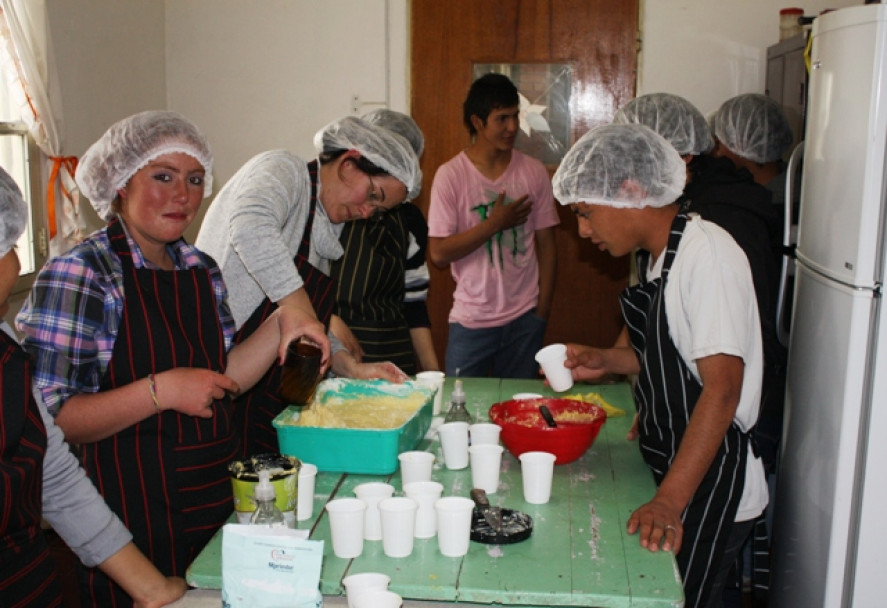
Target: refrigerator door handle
<point>782,304</point>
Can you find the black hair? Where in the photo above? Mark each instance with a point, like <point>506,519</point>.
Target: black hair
<point>361,162</point>
<point>489,92</point>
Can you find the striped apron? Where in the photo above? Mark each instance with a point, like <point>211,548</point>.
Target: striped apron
<point>257,407</point>
<point>666,393</point>
<point>27,573</point>
<point>166,477</point>
<point>370,287</point>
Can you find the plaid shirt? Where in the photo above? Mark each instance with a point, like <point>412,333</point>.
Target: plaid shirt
<point>72,315</point>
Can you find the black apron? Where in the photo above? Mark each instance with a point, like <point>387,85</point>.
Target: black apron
<point>27,573</point>
<point>166,476</point>
<point>257,408</point>
<point>370,287</point>
<point>666,393</point>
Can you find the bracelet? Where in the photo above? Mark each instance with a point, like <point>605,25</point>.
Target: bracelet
<point>152,387</point>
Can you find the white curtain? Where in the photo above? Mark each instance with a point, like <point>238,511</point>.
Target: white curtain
<point>24,58</point>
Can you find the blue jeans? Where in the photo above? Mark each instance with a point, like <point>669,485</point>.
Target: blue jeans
<point>501,352</point>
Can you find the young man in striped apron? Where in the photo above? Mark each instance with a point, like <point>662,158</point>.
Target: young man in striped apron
<point>695,349</point>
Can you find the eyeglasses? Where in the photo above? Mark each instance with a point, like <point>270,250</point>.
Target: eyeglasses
<point>374,199</point>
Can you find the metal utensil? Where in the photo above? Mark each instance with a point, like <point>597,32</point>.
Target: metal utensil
<point>546,413</point>
<point>492,515</point>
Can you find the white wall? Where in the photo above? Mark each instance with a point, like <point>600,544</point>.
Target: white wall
<point>710,50</point>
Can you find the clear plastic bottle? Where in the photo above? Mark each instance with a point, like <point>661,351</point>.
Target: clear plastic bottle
<point>266,514</point>
<point>457,411</point>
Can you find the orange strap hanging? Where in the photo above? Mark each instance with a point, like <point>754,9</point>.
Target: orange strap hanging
<point>70,164</point>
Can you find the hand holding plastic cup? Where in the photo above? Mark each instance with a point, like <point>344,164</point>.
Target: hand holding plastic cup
<point>551,359</point>
<point>371,493</point>
<point>356,584</point>
<point>485,461</point>
<point>346,526</point>
<point>484,432</point>
<point>454,442</point>
<point>435,379</point>
<point>376,598</point>
<point>398,525</point>
<point>425,493</point>
<point>415,466</point>
<point>305,492</point>
<point>453,525</point>
<point>537,470</point>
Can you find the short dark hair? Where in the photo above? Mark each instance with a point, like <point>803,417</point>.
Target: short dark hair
<point>487,93</point>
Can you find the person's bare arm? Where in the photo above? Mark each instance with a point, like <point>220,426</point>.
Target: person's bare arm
<point>546,253</point>
<point>139,578</point>
<point>424,347</point>
<point>444,250</point>
<point>339,329</point>
<point>305,322</point>
<point>590,363</point>
<point>659,521</point>
<point>90,417</point>
<point>346,366</point>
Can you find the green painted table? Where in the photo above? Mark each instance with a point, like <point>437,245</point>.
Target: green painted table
<point>578,555</point>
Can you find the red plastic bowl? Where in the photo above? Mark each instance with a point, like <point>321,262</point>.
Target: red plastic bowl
<point>524,429</point>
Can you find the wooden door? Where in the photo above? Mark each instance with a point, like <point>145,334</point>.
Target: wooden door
<point>598,38</point>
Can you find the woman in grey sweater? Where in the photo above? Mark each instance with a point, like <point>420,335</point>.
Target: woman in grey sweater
<point>274,229</point>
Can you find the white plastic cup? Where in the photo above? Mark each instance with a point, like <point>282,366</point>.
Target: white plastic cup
<point>415,466</point>
<point>454,442</point>
<point>551,359</point>
<point>521,396</point>
<point>346,526</point>
<point>453,525</point>
<point>371,493</point>
<point>398,525</point>
<point>356,584</point>
<point>305,493</point>
<point>537,470</point>
<point>377,598</point>
<point>425,493</point>
<point>484,432</point>
<point>485,461</point>
<point>435,379</point>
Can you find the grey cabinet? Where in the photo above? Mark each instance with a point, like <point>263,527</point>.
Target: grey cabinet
<point>787,80</point>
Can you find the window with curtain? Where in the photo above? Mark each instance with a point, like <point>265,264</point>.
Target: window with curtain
<point>19,157</point>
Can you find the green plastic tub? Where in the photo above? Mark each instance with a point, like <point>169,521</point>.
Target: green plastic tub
<point>341,450</point>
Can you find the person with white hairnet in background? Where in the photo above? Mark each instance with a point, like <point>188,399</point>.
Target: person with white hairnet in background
<point>274,229</point>
<point>40,475</point>
<point>132,341</point>
<point>382,277</point>
<point>752,130</point>
<point>695,349</point>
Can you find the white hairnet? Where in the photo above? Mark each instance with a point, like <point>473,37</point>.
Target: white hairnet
<point>400,123</point>
<point>597,167</point>
<point>673,117</point>
<point>13,212</point>
<point>385,149</point>
<point>129,145</point>
<point>753,126</point>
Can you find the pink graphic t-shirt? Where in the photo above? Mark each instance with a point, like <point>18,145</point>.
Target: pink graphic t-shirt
<point>499,281</point>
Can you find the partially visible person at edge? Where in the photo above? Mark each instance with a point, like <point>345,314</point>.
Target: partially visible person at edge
<point>752,132</point>
<point>40,475</point>
<point>382,278</point>
<point>492,219</point>
<point>274,244</point>
<point>695,349</point>
<point>131,337</point>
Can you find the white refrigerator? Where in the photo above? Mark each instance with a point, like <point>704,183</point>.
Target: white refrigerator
<point>830,522</point>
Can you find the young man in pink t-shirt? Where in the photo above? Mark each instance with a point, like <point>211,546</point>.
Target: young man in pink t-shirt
<point>492,219</point>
